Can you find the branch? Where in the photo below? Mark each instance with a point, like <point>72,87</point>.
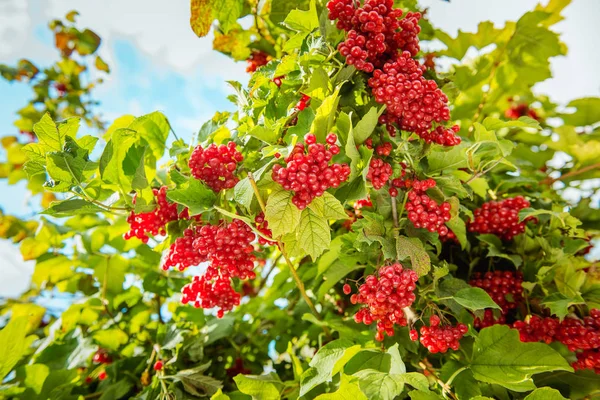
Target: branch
<point>445,388</point>
<point>395,212</point>
<point>571,174</point>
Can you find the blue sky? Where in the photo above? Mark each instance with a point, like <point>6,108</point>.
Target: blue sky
<point>158,63</point>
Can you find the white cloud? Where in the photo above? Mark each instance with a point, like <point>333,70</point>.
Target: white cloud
<point>16,273</point>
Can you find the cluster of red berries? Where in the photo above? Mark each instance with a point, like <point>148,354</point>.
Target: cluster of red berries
<point>154,222</point>
<point>181,254</point>
<point>413,102</point>
<point>384,149</point>
<point>256,60</point>
<point>520,110</point>
<point>580,336</point>
<point>384,298</point>
<point>308,172</point>
<point>379,42</point>
<point>263,227</point>
<point>499,285</point>
<point>423,211</point>
<point>500,218</point>
<point>304,100</point>
<point>208,292</point>
<point>216,165</point>
<point>101,356</point>
<point>505,288</point>
<point>357,213</point>
<point>379,173</point>
<point>229,249</point>
<point>438,339</point>
<point>375,32</point>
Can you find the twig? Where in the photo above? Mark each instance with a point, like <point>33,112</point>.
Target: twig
<point>394,212</point>
<point>93,395</point>
<point>571,174</point>
<point>158,306</point>
<point>483,172</point>
<point>445,388</point>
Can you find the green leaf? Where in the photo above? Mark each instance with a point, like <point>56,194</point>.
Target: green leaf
<point>325,116</point>
<point>424,395</point>
<point>454,158</point>
<point>281,214</point>
<point>494,124</point>
<point>545,393</point>
<point>329,360</point>
<point>374,359</point>
<point>303,21</point>
<point>559,304</point>
<point>314,234</point>
<point>219,395</point>
<point>52,136</point>
<point>366,125</point>
<point>348,390</point>
<point>243,193</point>
<point>260,387</point>
<point>499,357</point>
<point>227,12</point>
<point>112,161</point>
<point>495,246</point>
<point>267,135</point>
<point>110,339</point>
<point>475,299</point>
<point>14,344</point>
<point>587,112</point>
<point>456,224</point>
<point>328,206</point>
<point>379,385</point>
<point>413,248</point>
<point>154,129</point>
<point>196,383</point>
<point>194,195</point>
<point>68,208</point>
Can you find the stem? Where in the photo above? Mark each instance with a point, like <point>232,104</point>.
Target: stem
<point>483,172</point>
<point>454,375</point>
<point>293,271</point>
<point>570,174</point>
<point>158,305</point>
<point>445,387</point>
<point>395,212</point>
<point>93,395</point>
<point>403,204</point>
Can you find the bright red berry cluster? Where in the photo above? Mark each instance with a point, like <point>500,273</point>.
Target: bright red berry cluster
<point>413,102</point>
<point>438,339</point>
<point>263,227</point>
<point>499,285</point>
<point>580,336</point>
<point>216,165</point>
<point>229,249</point>
<point>384,298</point>
<point>381,43</point>
<point>375,32</point>
<point>423,211</point>
<point>384,149</point>
<point>207,292</point>
<point>153,222</point>
<point>181,254</point>
<point>308,172</point>
<point>520,110</point>
<point>500,218</point>
<point>379,173</point>
<point>256,60</point>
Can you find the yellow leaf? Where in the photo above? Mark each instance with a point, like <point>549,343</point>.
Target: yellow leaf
<point>201,16</point>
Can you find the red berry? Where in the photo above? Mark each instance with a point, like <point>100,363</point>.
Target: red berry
<point>277,155</point>
<point>216,165</point>
<point>500,218</point>
<point>256,60</point>
<point>393,192</point>
<point>102,375</point>
<point>309,138</point>
<point>277,81</point>
<point>347,289</point>
<point>331,138</point>
<point>414,335</point>
<point>384,296</point>
<point>158,365</point>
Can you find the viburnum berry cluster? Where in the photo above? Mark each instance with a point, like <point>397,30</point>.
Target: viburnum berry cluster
<point>438,339</point>
<point>257,59</point>
<point>384,297</point>
<point>308,172</point>
<point>381,43</point>
<point>423,211</point>
<point>580,336</point>
<point>207,292</point>
<point>228,248</point>
<point>216,165</point>
<point>500,218</point>
<point>504,287</point>
<point>101,356</point>
<point>153,222</point>
<point>379,173</point>
<point>304,100</point>
<point>520,110</point>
